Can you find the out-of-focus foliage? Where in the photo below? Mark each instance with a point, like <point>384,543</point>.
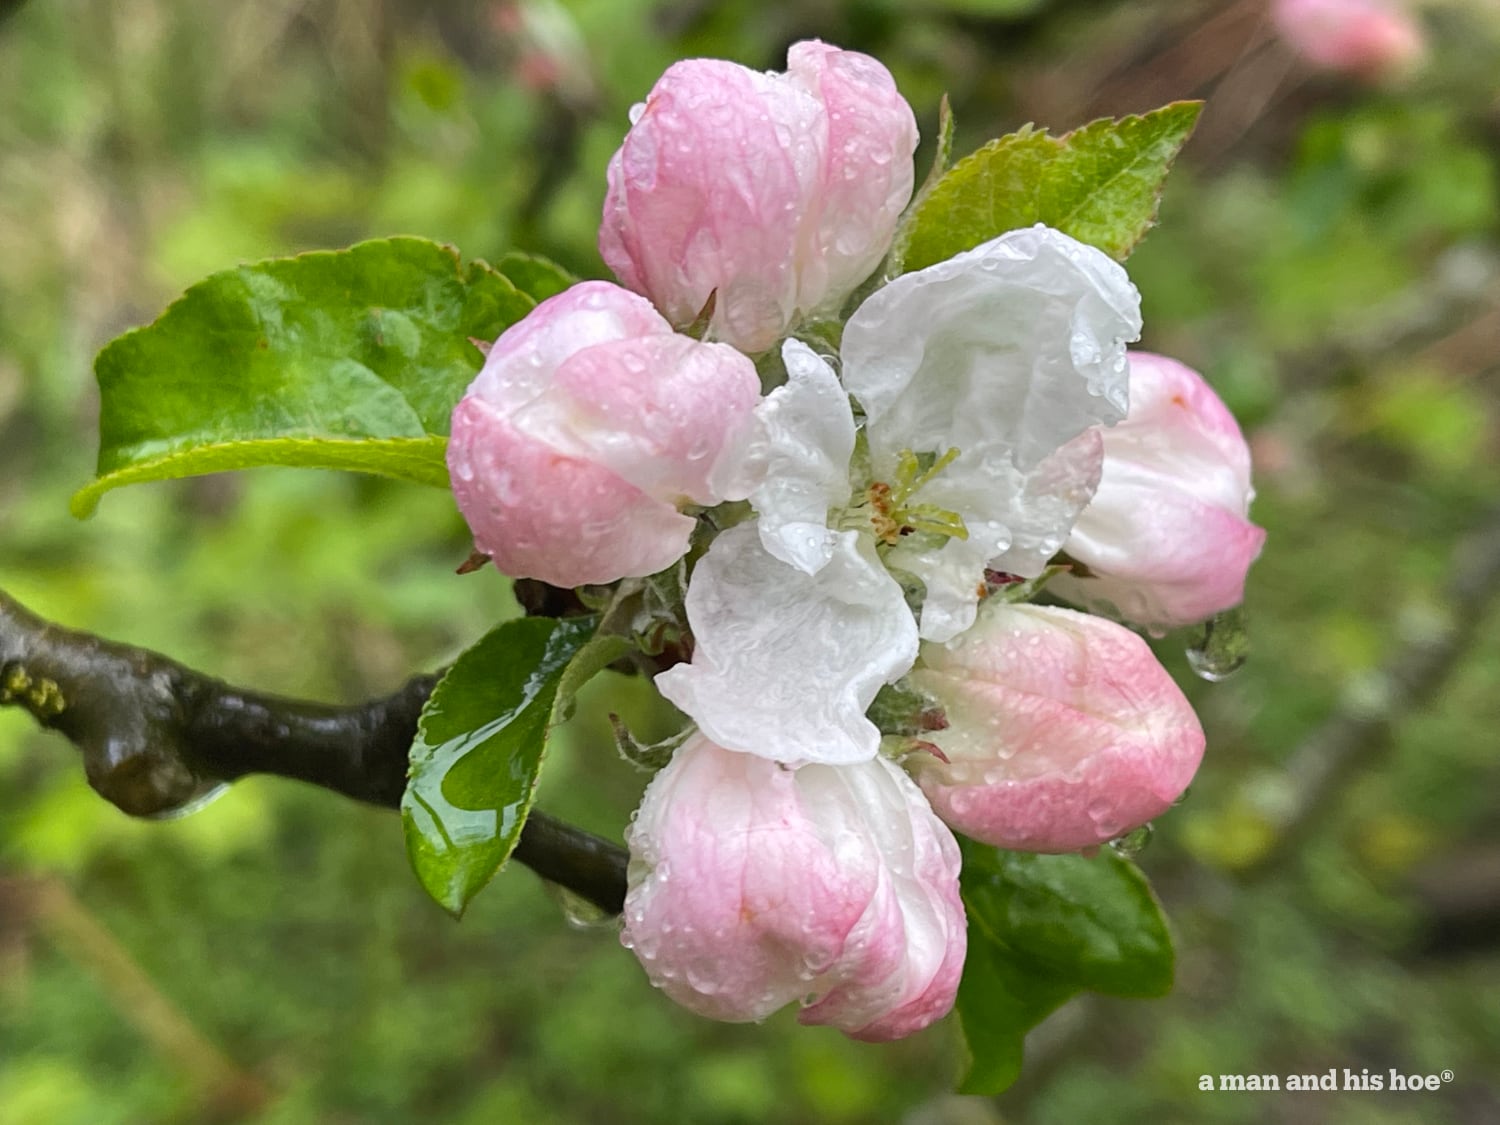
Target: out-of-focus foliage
<point>1327,255</point>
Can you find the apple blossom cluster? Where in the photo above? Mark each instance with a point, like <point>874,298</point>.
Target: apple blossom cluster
<point>871,515</point>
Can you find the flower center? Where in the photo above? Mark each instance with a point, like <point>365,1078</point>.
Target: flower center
<point>888,507</point>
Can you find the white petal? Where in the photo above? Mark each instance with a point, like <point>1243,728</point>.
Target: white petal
<point>952,574</point>
<point>786,663</point>
<point>804,437</point>
<point>1016,521</point>
<point>1015,347</point>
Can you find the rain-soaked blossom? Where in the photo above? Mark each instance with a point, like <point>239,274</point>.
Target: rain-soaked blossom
<point>777,194</point>
<point>981,379</point>
<point>1064,730</point>
<point>1368,38</point>
<point>753,886</point>
<point>1166,539</point>
<point>589,426</point>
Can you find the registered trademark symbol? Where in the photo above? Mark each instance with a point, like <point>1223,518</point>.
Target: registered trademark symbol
<point>1446,1076</point>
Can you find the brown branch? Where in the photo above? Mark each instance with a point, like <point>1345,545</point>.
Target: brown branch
<point>155,735</point>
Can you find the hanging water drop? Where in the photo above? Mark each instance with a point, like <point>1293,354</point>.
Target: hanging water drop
<point>1132,843</point>
<point>577,911</point>
<point>1220,648</point>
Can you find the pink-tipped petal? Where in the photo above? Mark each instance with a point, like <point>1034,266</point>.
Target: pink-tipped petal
<point>753,886</point>
<point>867,175</point>
<point>1063,730</point>
<point>774,193</point>
<point>1167,539</point>
<point>589,424</point>
<point>540,514</point>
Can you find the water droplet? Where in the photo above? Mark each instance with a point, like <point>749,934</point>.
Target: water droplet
<point>579,912</point>
<point>204,795</point>
<point>1220,648</point>
<point>1133,842</point>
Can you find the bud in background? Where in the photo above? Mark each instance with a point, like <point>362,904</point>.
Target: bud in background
<point>1166,538</point>
<point>590,423</point>
<point>1369,38</point>
<point>549,55</point>
<point>777,193</point>
<point>1063,730</point>
<point>753,885</point>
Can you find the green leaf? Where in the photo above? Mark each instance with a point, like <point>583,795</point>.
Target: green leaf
<point>998,1001</point>
<point>347,359</point>
<point>534,275</point>
<point>480,745</point>
<point>1100,184</point>
<point>1043,927</point>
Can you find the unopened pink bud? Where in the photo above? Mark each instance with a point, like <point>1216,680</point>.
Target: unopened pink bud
<point>1370,38</point>
<point>775,193</point>
<point>1167,539</point>
<point>753,885</point>
<point>1063,730</point>
<point>590,423</point>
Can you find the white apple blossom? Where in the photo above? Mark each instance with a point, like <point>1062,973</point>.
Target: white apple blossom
<point>981,379</point>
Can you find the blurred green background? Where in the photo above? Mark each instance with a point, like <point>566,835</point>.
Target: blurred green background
<point>1327,256</point>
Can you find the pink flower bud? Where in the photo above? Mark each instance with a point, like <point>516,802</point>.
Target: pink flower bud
<point>589,424</point>
<point>1166,537</point>
<point>1370,38</point>
<point>1063,730</point>
<point>779,193</point>
<point>753,885</point>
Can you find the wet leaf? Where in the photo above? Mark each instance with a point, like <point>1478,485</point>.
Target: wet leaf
<point>1100,184</point>
<point>1042,928</point>
<point>348,359</point>
<point>999,1000</point>
<point>534,275</point>
<point>480,747</point>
